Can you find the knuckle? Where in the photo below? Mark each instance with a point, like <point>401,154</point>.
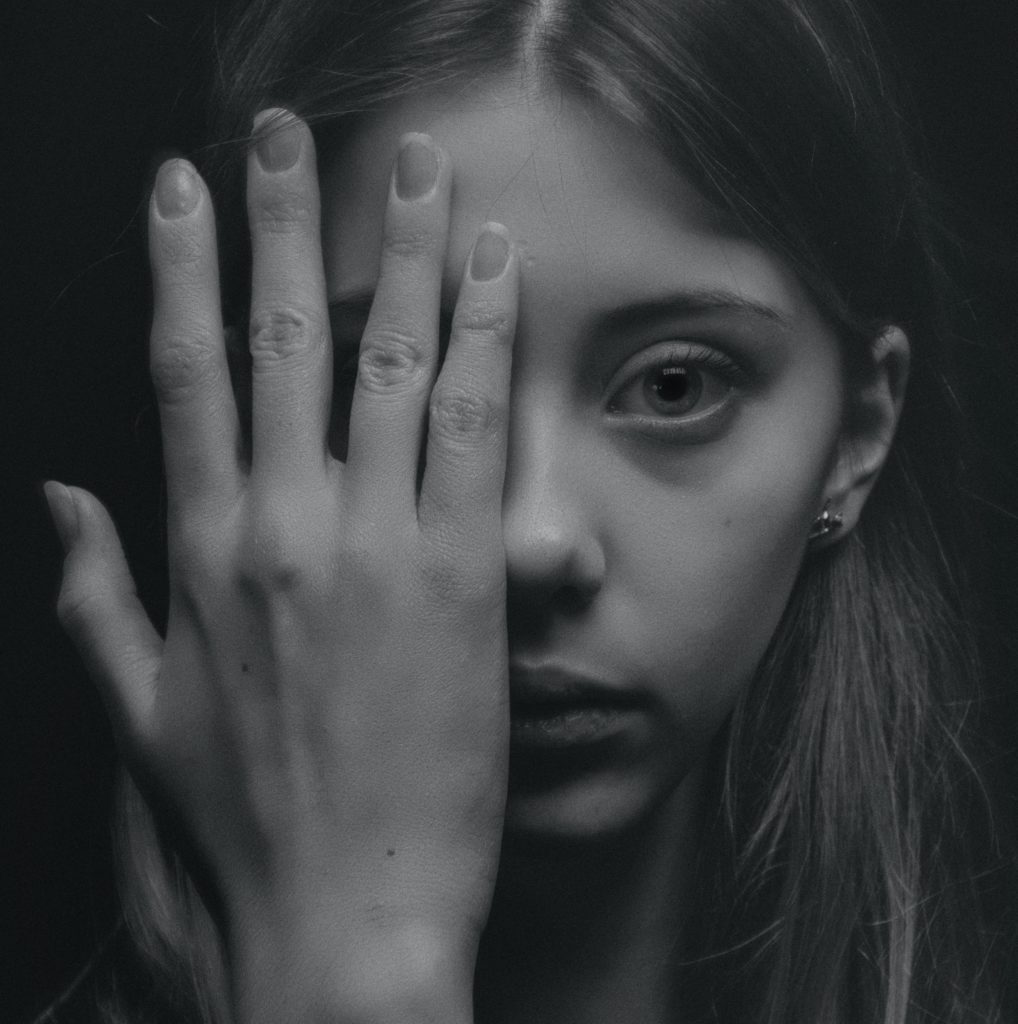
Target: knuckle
<point>181,360</point>
<point>482,318</point>
<point>177,248</point>
<point>274,561</point>
<point>281,333</point>
<point>408,243</point>
<point>271,571</point>
<point>281,212</point>
<point>459,413</point>
<point>77,605</point>
<point>87,596</point>
<point>391,357</point>
<point>276,577</point>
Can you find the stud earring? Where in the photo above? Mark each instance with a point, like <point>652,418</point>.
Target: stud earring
<point>826,523</point>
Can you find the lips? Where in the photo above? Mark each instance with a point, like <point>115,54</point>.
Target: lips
<point>553,706</point>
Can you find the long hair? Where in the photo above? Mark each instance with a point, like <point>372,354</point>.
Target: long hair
<point>852,865</point>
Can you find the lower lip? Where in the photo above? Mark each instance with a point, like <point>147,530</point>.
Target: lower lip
<point>568,725</point>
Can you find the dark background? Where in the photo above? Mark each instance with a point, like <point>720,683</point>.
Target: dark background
<point>100,90</point>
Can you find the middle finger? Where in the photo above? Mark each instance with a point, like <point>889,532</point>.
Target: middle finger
<point>291,349</point>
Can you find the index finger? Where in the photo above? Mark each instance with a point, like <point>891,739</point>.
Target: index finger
<point>469,411</point>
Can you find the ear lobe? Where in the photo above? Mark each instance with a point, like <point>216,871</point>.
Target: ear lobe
<point>871,421</point>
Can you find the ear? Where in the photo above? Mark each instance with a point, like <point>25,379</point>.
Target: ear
<point>871,419</point>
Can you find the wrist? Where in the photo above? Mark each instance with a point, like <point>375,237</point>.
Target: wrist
<point>407,976</point>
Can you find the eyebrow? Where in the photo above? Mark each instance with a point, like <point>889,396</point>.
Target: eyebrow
<point>633,315</point>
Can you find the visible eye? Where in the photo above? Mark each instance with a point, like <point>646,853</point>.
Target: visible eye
<point>674,384</point>
<point>672,390</point>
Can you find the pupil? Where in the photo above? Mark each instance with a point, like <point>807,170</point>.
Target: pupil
<point>672,384</point>
<point>673,390</point>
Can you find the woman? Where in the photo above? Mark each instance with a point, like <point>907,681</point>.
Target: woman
<point>638,690</point>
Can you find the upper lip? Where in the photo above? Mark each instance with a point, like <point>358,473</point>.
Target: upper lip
<point>557,684</point>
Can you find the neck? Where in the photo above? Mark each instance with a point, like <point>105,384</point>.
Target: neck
<point>591,932</point>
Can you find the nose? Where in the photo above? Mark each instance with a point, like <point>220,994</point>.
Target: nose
<point>554,559</point>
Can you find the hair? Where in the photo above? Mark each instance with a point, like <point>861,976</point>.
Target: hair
<point>857,867</point>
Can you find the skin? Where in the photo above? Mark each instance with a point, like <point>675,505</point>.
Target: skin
<point>340,771</point>
<point>678,536</point>
<point>639,544</point>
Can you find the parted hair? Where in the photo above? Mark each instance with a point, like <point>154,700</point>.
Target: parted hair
<point>854,866</point>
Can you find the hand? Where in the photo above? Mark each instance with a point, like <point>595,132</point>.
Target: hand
<point>327,717</point>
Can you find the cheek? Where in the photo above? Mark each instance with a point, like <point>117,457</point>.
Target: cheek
<point>704,614</point>
<point>706,570</point>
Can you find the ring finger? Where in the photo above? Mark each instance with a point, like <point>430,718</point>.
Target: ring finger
<point>399,349</point>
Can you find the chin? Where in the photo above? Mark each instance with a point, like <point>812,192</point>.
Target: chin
<point>568,804</point>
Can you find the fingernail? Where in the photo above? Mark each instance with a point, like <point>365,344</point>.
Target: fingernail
<point>279,148</point>
<point>416,169</point>
<point>63,511</point>
<point>491,254</point>
<point>176,189</point>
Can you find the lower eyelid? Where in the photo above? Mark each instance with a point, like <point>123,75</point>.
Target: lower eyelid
<point>698,428</point>
<point>693,427</point>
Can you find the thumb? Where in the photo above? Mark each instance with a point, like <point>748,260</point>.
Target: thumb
<point>99,608</point>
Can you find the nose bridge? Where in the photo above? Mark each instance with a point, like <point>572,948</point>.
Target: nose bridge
<point>547,515</point>
<point>537,470</point>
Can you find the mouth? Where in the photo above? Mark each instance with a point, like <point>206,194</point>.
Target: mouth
<point>553,707</point>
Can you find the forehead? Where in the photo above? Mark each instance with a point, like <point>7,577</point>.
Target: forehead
<point>592,205</point>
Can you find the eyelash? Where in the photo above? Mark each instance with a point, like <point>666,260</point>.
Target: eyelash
<point>685,357</point>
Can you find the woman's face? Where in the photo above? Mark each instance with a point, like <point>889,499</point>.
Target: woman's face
<point>675,414</point>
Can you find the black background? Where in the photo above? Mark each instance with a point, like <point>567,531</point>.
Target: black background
<point>98,91</point>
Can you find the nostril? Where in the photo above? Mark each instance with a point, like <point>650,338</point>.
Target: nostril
<point>573,599</point>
